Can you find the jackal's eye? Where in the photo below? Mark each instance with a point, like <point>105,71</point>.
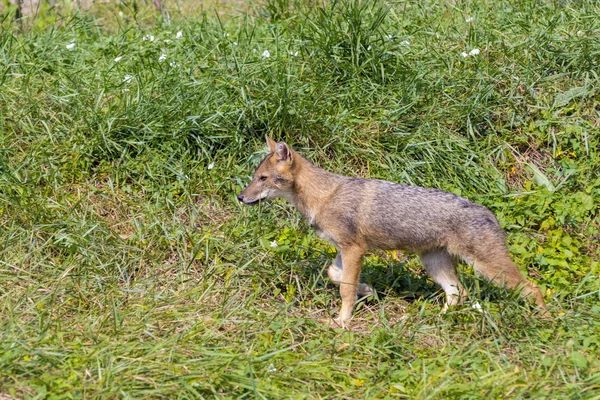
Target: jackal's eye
<point>262,178</point>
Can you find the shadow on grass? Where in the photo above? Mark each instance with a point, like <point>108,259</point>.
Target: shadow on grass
<point>410,283</point>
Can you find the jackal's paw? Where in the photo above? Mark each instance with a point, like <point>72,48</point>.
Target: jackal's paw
<point>365,290</point>
<point>337,323</point>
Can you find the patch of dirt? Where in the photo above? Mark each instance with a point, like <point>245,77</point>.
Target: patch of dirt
<point>118,215</point>
<point>517,175</point>
<point>364,320</point>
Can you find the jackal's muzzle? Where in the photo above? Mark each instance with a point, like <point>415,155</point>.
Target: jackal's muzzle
<point>244,200</point>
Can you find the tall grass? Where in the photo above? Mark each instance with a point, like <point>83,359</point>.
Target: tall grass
<point>128,269</point>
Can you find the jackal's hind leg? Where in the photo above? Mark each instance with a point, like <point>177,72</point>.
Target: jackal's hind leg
<point>441,266</point>
<point>335,274</point>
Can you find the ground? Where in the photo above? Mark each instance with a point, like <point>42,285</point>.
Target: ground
<point>129,269</point>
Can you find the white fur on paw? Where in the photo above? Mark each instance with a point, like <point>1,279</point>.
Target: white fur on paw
<point>334,273</point>
<point>365,290</point>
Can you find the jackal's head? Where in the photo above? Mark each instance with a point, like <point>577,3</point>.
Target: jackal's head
<point>273,177</point>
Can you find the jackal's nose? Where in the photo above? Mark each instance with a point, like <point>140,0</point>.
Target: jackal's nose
<point>240,197</point>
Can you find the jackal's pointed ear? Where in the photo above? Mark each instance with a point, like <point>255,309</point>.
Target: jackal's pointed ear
<point>271,143</point>
<point>283,151</point>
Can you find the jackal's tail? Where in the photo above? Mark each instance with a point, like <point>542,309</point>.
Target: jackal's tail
<point>487,250</point>
<point>503,272</point>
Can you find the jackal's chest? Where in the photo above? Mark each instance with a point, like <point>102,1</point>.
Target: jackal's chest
<point>323,234</point>
<point>326,236</point>
<point>324,230</point>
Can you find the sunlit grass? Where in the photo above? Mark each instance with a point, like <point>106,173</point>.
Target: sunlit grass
<point>128,268</point>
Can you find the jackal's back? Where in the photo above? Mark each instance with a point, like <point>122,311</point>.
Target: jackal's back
<point>393,216</point>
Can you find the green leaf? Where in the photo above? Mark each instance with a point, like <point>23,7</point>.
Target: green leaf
<point>579,359</point>
<point>562,99</point>
<point>540,178</point>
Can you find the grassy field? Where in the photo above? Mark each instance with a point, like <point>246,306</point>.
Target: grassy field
<point>129,270</point>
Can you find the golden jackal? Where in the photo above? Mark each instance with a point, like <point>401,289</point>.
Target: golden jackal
<point>356,214</point>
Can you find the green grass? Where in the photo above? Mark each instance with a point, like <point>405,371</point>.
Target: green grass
<point>128,268</point>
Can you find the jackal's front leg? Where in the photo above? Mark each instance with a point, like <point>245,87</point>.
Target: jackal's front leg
<point>335,274</point>
<point>352,262</point>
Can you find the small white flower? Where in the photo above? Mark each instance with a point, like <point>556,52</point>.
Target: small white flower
<point>274,243</point>
<point>271,368</point>
<point>167,40</point>
<point>388,37</point>
<point>474,52</point>
<point>121,14</point>
<point>118,59</point>
<point>266,54</point>
<point>174,64</point>
<point>211,165</point>
<point>148,37</point>
<point>464,54</point>
<point>125,89</point>
<point>469,19</point>
<point>234,43</point>
<point>294,53</point>
<point>369,48</point>
<point>127,78</point>
<point>405,43</point>
<point>179,35</point>
<point>226,35</point>
<point>162,57</point>
<point>70,45</point>
<point>476,306</point>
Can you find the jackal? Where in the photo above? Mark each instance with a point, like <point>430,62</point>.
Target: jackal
<point>356,214</point>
